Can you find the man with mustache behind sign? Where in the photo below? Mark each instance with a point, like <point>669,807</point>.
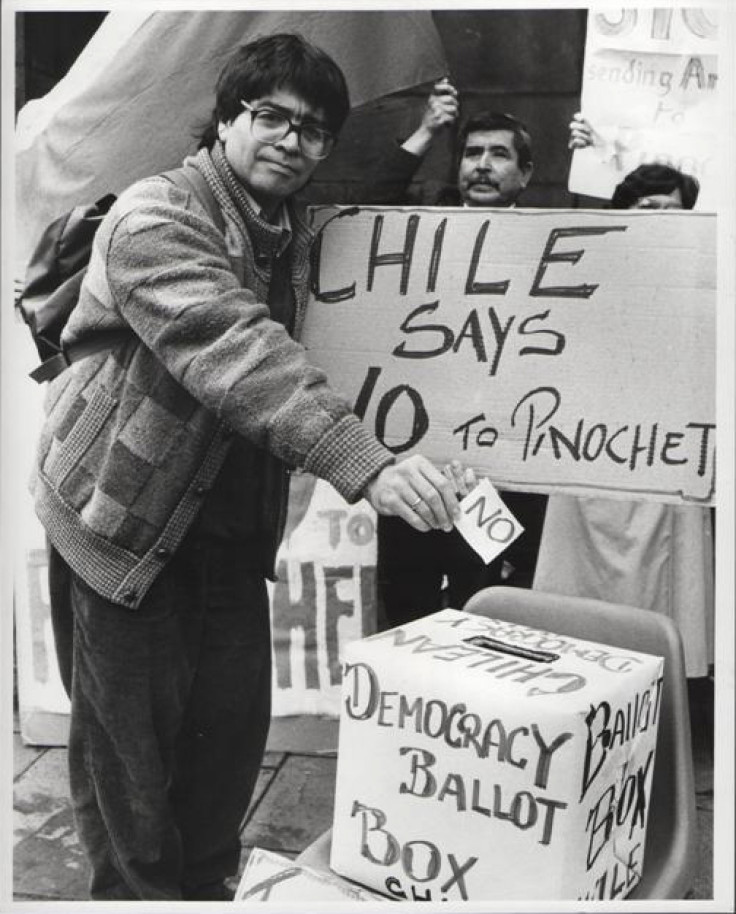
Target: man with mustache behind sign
<point>492,166</point>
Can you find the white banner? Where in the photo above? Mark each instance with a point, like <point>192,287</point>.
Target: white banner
<point>650,93</point>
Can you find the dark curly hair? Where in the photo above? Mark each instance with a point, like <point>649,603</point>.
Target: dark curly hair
<point>654,178</point>
<point>280,61</point>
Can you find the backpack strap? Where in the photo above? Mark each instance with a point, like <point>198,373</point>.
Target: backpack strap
<point>52,367</point>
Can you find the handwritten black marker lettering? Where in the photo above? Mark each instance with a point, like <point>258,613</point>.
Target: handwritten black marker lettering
<point>549,256</point>
<point>336,295</point>
<point>434,260</point>
<point>402,258</point>
<point>482,288</point>
<point>410,326</point>
<point>557,342</point>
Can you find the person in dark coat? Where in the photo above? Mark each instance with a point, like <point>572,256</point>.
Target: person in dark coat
<point>492,166</point>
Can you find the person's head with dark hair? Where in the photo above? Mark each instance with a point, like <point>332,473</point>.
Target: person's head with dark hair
<point>280,103</point>
<point>655,186</point>
<point>493,159</point>
<point>282,61</point>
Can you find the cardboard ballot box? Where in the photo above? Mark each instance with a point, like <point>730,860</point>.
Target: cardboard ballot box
<point>272,877</point>
<point>483,760</point>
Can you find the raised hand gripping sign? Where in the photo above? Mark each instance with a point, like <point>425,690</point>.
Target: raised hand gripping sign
<point>565,351</point>
<point>486,523</point>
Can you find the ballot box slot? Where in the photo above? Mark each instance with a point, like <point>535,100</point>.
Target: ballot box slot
<point>501,647</point>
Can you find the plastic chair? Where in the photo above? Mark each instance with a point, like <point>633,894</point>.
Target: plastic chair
<point>670,855</point>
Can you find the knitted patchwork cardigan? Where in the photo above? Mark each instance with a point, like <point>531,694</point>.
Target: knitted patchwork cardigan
<point>134,436</point>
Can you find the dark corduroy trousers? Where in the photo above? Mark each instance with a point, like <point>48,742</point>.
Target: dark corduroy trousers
<point>170,714</point>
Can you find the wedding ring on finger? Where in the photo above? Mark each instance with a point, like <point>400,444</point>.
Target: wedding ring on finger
<point>415,504</point>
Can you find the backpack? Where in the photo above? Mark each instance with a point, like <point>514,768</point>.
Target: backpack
<point>57,268</point>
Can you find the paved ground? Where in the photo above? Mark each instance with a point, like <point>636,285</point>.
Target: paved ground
<point>293,805</point>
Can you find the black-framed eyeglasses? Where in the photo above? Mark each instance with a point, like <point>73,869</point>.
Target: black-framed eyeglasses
<point>269,126</point>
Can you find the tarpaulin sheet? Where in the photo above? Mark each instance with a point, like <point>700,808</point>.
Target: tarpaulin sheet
<point>142,91</point>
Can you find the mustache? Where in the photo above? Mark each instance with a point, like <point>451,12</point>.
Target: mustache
<point>480,177</point>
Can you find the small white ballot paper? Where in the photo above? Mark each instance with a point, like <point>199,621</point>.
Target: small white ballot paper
<point>486,523</point>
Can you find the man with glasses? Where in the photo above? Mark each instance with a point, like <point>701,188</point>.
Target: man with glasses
<point>161,478</point>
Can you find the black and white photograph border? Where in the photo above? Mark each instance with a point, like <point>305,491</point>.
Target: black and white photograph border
<point>42,865</point>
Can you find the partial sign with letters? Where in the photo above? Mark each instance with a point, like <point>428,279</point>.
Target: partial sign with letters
<point>566,351</point>
<point>324,595</point>
<point>650,93</point>
<point>484,760</point>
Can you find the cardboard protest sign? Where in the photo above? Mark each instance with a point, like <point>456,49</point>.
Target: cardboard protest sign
<point>650,92</point>
<point>273,877</point>
<point>567,351</point>
<point>482,760</point>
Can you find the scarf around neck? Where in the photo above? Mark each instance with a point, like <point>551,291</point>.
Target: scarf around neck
<point>233,199</point>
